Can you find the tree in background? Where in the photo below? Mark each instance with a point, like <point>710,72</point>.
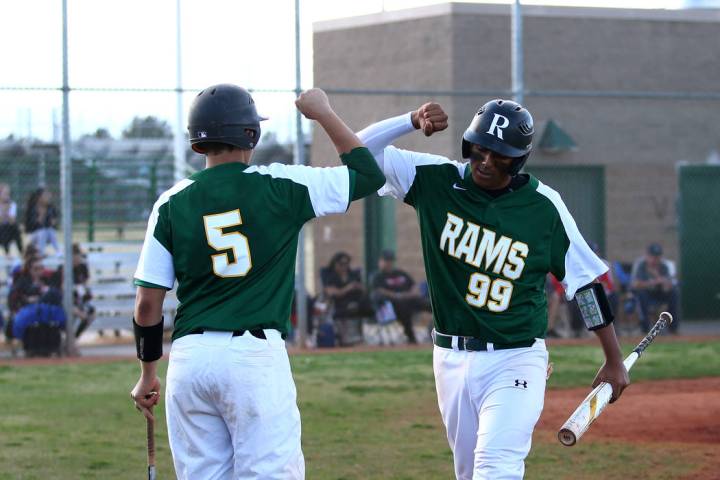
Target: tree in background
<point>148,127</point>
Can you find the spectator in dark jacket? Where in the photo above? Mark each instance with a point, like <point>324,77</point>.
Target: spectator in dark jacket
<point>28,288</point>
<point>343,286</point>
<point>29,285</point>
<point>397,286</point>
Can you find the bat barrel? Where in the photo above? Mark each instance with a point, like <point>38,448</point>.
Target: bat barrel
<point>594,404</point>
<point>567,437</point>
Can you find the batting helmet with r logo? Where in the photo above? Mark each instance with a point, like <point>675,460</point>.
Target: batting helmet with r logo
<point>503,126</point>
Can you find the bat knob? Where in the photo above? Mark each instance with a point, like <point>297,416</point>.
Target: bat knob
<point>567,437</point>
<point>667,317</point>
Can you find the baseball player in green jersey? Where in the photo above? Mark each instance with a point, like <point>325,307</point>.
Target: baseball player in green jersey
<point>228,234</point>
<point>489,236</point>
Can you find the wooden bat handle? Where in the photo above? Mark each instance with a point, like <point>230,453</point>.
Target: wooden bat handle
<point>151,448</point>
<point>150,441</point>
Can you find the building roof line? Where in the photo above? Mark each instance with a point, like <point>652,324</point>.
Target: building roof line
<point>703,15</point>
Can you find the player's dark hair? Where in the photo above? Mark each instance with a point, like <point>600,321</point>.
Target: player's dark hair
<point>214,148</point>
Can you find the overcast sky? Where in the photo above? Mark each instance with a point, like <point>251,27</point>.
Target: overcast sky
<point>131,44</point>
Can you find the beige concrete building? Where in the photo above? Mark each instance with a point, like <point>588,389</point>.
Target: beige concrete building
<point>637,91</point>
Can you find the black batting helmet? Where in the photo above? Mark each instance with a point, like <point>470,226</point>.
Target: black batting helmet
<point>224,113</point>
<point>502,126</point>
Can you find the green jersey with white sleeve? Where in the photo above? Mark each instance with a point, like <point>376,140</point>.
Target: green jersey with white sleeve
<point>486,258</point>
<point>229,235</point>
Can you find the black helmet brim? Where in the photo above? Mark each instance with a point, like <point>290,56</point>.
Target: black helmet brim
<point>491,143</point>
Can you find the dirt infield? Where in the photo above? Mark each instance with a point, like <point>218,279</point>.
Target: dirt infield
<point>664,412</point>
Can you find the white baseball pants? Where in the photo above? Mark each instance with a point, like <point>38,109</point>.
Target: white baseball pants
<point>231,408</point>
<point>490,403</point>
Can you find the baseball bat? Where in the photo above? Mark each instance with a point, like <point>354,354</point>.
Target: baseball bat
<point>151,448</point>
<point>151,443</point>
<point>594,404</point>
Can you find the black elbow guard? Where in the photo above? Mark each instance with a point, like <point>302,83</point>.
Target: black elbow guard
<point>149,341</point>
<point>594,306</point>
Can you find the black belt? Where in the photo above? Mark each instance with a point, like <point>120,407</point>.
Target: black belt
<point>472,344</point>
<point>256,332</point>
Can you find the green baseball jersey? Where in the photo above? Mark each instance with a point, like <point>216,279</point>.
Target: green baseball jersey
<point>229,235</point>
<point>486,258</point>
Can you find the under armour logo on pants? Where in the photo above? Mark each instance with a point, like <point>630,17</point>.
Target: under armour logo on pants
<point>521,382</point>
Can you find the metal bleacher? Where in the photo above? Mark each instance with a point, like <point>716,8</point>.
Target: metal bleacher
<point>111,268</point>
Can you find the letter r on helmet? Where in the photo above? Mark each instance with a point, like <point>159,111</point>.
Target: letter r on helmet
<point>496,125</point>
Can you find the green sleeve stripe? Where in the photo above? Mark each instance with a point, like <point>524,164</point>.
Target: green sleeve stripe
<point>142,283</point>
<point>353,174</point>
<point>357,153</point>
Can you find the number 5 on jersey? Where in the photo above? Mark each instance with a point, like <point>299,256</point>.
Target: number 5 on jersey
<point>235,241</point>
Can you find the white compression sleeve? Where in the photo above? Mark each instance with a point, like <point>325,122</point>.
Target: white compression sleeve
<point>381,134</point>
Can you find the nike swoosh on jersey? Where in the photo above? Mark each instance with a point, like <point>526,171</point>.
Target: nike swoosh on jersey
<point>456,187</point>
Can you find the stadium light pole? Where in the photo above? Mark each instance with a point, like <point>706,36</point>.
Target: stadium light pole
<point>66,195</point>
<point>300,290</point>
<point>518,87</point>
<point>179,136</point>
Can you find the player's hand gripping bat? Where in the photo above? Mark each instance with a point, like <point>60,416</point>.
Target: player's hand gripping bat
<point>598,399</point>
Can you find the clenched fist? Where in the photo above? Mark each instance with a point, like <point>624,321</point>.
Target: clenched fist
<point>430,118</point>
<point>313,104</point>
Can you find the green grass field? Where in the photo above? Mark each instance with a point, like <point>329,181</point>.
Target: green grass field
<point>365,416</point>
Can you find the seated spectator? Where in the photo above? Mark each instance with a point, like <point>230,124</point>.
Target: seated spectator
<point>343,286</point>
<point>83,310</point>
<point>9,229</point>
<point>47,311</point>
<point>655,284</point>
<point>41,218</point>
<point>28,285</point>
<point>29,288</point>
<point>390,284</point>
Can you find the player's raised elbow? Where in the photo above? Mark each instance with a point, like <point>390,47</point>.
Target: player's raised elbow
<point>368,178</point>
<point>377,180</point>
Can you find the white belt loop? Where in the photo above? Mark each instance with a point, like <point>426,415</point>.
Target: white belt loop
<point>490,347</point>
<point>454,343</point>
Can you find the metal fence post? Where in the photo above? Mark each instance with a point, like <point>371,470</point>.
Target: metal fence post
<point>91,206</point>
<point>66,189</point>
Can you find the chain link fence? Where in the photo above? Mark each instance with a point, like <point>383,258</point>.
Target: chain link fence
<point>117,176</point>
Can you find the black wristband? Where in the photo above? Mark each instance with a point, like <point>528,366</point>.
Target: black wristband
<point>594,306</point>
<point>148,341</point>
